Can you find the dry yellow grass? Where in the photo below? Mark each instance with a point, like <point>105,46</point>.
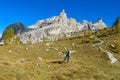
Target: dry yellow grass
<point>87,63</point>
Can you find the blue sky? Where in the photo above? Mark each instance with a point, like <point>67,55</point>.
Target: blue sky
<point>30,11</point>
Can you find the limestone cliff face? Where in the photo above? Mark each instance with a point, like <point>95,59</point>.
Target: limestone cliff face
<point>59,25</point>
<point>0,38</point>
<point>0,35</point>
<point>99,24</point>
<point>54,26</point>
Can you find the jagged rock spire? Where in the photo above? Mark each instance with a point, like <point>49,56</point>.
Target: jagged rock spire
<point>63,11</point>
<point>100,20</point>
<point>63,14</point>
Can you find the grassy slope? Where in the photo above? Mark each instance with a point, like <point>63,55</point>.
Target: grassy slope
<point>87,63</point>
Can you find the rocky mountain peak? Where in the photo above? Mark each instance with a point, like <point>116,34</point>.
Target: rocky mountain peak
<point>99,24</point>
<point>18,27</point>
<point>53,21</point>
<point>100,20</point>
<point>53,27</point>
<point>63,14</point>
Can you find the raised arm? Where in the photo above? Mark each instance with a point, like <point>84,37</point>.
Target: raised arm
<point>72,51</point>
<point>66,49</point>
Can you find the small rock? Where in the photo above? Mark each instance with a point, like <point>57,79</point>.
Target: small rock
<point>94,46</point>
<point>48,66</point>
<point>114,41</point>
<point>73,44</point>
<point>31,45</point>
<point>37,65</point>
<point>47,44</point>
<point>91,37</point>
<point>46,50</point>
<point>22,60</point>
<point>18,51</point>
<point>56,49</point>
<point>26,49</point>
<point>60,52</point>
<point>113,46</point>
<point>39,59</point>
<point>9,51</point>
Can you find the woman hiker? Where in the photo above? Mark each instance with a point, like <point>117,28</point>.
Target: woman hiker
<point>68,54</point>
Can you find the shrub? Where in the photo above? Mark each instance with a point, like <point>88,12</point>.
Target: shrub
<point>103,32</point>
<point>86,41</point>
<point>116,25</point>
<point>8,36</point>
<point>17,40</point>
<point>95,41</point>
<point>117,47</point>
<point>88,33</point>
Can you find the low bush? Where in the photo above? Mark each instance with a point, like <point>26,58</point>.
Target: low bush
<point>95,41</point>
<point>117,46</point>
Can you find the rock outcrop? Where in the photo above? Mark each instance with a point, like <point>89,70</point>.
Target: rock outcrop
<point>1,40</point>
<point>18,27</point>
<point>99,24</point>
<point>54,26</point>
<point>0,36</point>
<point>116,25</point>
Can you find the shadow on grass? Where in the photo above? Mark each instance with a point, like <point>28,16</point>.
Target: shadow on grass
<point>57,62</point>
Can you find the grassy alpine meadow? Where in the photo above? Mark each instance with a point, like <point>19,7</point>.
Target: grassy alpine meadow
<point>43,61</point>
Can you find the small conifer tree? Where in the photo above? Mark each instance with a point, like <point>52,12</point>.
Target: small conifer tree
<point>8,36</point>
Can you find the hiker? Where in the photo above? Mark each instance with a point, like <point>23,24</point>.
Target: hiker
<point>68,54</point>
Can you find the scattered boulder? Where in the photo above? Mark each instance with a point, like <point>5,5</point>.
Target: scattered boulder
<point>112,45</point>
<point>26,49</point>
<point>17,51</point>
<point>39,59</point>
<point>73,44</point>
<point>92,37</point>
<point>37,65</point>
<point>60,52</point>
<point>9,51</point>
<point>114,41</point>
<point>24,59</point>
<point>47,44</point>
<point>48,66</point>
<point>54,48</point>
<point>46,50</point>
<point>94,46</point>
